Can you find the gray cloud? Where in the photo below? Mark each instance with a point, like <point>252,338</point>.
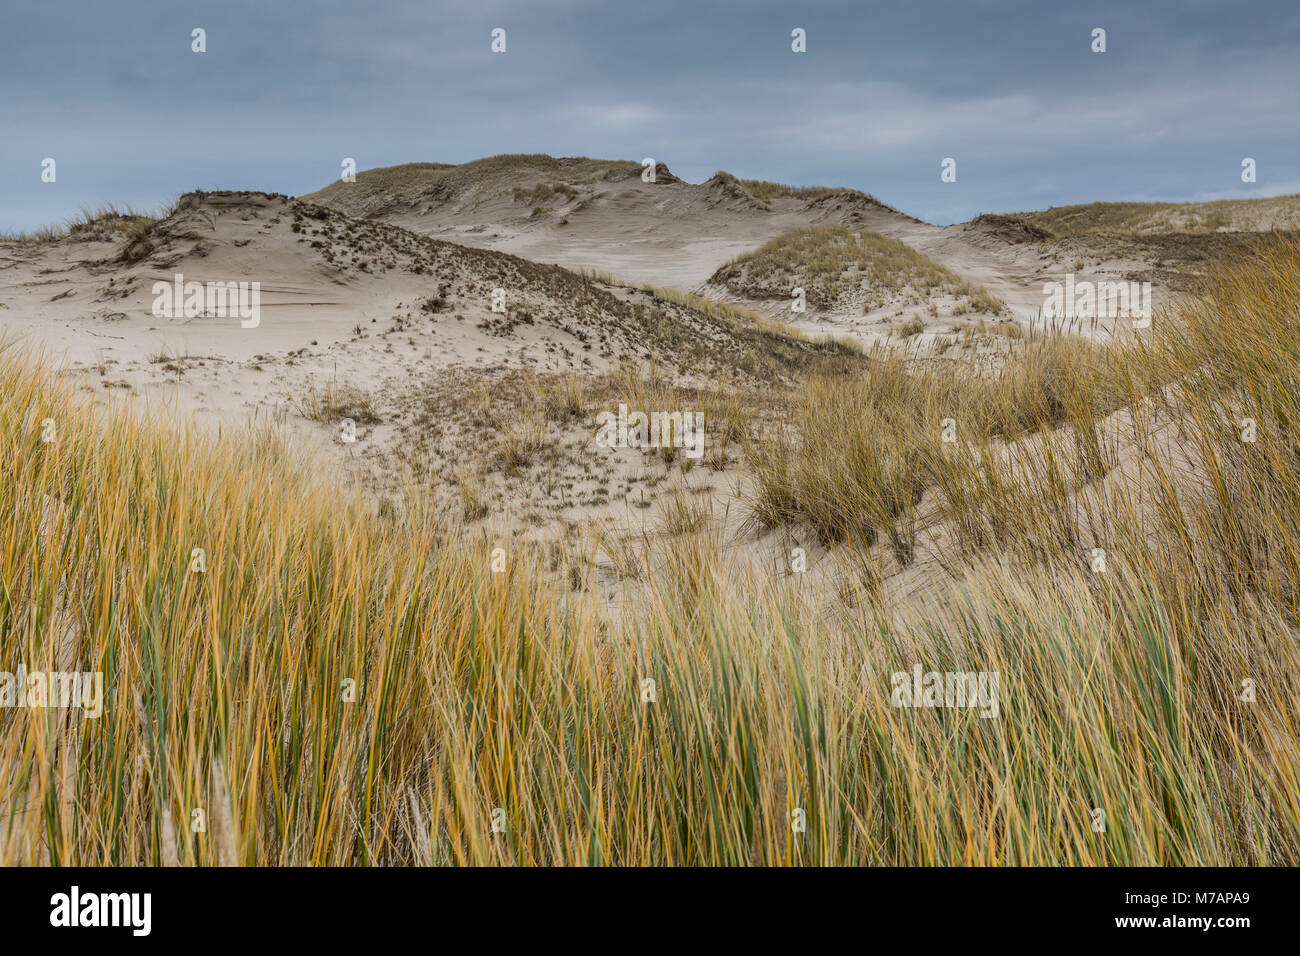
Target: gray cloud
<point>1009,89</point>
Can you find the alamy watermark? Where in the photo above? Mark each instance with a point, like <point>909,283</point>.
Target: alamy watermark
<point>947,689</point>
<point>1098,300</point>
<point>684,430</point>
<point>76,908</point>
<point>220,300</point>
<point>42,689</point>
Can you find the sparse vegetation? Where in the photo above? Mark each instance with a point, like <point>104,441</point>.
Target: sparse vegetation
<point>544,191</point>
<point>1155,218</point>
<point>335,402</point>
<point>913,326</point>
<point>765,191</point>
<point>107,223</point>
<point>525,178</point>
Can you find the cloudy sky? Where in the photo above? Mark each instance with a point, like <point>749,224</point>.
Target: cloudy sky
<point>885,91</point>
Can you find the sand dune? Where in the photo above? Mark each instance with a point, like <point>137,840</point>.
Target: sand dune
<point>376,305</point>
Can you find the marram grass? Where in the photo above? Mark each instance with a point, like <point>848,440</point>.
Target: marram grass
<point>344,686</point>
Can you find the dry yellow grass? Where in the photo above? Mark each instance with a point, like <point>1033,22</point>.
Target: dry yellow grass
<point>687,726</point>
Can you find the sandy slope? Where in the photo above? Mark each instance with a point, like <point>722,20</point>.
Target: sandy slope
<point>404,320</point>
<point>676,234</point>
<point>667,233</point>
<point>385,308</point>
<point>325,303</point>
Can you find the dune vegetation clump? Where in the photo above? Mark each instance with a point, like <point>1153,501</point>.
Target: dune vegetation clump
<point>764,191</point>
<point>527,178</point>
<point>844,269</point>
<point>107,222</point>
<point>1154,218</point>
